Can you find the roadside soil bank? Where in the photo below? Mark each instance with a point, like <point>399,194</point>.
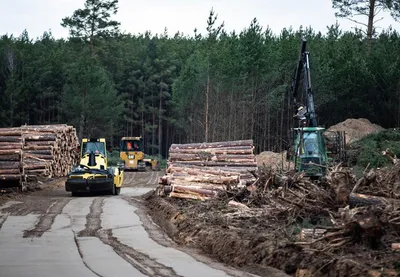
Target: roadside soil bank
<point>255,239</point>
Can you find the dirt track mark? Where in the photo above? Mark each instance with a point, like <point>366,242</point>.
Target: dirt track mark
<point>47,219</point>
<point>156,234</point>
<point>150,181</point>
<point>93,220</point>
<point>3,219</point>
<point>142,262</point>
<point>131,177</point>
<point>81,255</point>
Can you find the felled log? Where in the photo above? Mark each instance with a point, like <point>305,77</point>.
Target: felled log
<point>10,151</point>
<point>43,172</point>
<point>193,190</point>
<point>37,156</point>
<point>211,157</point>
<point>231,164</point>
<point>36,166</point>
<point>39,152</point>
<point>396,246</point>
<point>212,144</point>
<point>6,132</point>
<point>187,196</point>
<point>38,147</point>
<point>11,157</point>
<point>244,150</point>
<point>15,177</point>
<point>10,145</point>
<point>38,137</point>
<point>9,171</point>
<point>218,170</point>
<point>10,139</point>
<point>7,164</point>
<point>357,199</point>
<point>40,143</point>
<point>204,179</point>
<point>203,185</point>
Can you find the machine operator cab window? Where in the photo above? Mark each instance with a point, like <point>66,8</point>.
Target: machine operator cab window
<point>131,145</point>
<point>95,147</point>
<point>309,145</point>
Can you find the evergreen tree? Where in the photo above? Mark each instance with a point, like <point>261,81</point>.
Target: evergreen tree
<point>90,100</point>
<point>94,20</point>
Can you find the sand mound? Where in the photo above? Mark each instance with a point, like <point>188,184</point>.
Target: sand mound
<point>272,159</point>
<point>356,129</point>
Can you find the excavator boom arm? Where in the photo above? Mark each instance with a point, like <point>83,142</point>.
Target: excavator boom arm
<point>303,66</point>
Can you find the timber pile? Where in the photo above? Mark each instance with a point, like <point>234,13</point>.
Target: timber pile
<point>11,170</point>
<point>49,150</point>
<point>201,170</point>
<point>36,150</point>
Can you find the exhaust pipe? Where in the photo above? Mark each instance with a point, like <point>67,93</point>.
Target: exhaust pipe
<point>92,159</point>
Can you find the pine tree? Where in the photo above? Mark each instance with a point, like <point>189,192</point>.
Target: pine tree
<point>93,21</point>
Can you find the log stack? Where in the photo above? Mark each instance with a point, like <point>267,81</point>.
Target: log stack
<point>201,170</point>
<point>49,150</point>
<point>11,170</point>
<point>36,150</point>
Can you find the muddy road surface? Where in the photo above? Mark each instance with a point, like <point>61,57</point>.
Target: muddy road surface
<point>49,233</point>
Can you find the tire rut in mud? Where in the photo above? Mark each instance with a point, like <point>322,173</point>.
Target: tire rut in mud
<point>81,255</point>
<point>93,220</point>
<point>142,262</point>
<point>3,219</point>
<point>46,220</point>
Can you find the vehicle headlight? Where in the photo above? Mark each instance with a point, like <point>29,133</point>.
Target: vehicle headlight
<point>131,156</point>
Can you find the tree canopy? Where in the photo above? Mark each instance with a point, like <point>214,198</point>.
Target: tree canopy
<point>176,89</point>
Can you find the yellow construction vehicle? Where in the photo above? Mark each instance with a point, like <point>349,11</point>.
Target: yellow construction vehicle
<point>93,173</point>
<point>132,155</point>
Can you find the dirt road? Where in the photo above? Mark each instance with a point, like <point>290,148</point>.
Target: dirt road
<point>50,233</point>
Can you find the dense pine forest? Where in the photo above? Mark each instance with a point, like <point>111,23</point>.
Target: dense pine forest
<point>175,88</point>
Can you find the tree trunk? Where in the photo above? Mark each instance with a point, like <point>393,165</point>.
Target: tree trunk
<point>159,123</point>
<point>370,28</point>
<point>81,125</point>
<point>207,97</point>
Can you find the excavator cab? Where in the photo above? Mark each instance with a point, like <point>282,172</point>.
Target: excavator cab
<point>311,156</point>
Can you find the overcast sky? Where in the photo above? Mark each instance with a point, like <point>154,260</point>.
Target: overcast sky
<point>136,16</point>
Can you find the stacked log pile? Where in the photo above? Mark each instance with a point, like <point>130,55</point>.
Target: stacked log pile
<point>49,150</point>
<point>36,150</point>
<point>11,170</point>
<point>201,170</point>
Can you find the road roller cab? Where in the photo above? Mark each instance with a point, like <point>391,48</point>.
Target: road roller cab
<point>93,173</point>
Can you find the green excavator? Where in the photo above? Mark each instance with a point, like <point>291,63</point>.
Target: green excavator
<point>312,148</point>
